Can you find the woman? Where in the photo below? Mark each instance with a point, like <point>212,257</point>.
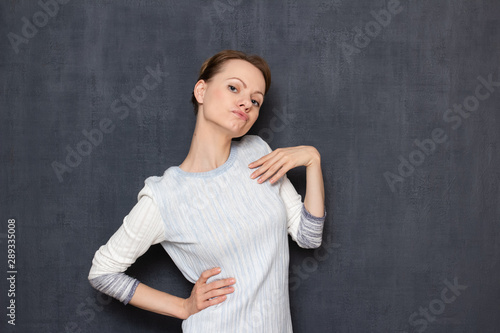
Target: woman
<point>223,214</point>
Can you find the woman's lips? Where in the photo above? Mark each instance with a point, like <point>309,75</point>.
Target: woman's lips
<point>241,115</point>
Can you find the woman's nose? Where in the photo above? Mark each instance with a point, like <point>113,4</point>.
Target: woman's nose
<point>246,104</point>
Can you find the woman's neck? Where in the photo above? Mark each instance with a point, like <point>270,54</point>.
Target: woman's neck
<point>209,150</point>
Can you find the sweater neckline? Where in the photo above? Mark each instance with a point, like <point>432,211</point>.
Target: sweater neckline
<point>220,169</point>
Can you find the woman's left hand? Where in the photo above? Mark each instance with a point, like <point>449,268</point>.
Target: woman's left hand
<point>275,164</point>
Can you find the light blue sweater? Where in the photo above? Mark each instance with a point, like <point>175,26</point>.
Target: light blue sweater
<point>223,218</point>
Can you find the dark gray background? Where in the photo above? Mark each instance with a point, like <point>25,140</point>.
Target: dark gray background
<point>393,251</point>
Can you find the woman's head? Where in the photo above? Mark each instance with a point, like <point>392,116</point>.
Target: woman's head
<point>215,64</point>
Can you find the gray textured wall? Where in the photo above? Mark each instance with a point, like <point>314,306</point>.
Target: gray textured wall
<point>401,99</point>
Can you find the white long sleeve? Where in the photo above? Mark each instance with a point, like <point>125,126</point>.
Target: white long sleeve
<point>141,228</point>
<point>304,228</point>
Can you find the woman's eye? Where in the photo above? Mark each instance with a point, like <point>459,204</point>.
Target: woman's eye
<point>254,102</point>
<point>232,88</point>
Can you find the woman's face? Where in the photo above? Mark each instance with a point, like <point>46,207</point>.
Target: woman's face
<point>232,98</point>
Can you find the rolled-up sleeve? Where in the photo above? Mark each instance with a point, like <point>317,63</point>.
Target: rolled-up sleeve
<point>304,228</point>
<point>140,229</point>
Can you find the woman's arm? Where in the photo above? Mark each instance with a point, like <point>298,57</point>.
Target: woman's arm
<point>305,220</point>
<point>157,301</point>
<point>202,296</point>
<point>141,228</point>
<point>274,165</point>
<point>314,200</point>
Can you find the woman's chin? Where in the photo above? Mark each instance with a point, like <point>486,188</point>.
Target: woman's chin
<point>238,129</point>
<point>239,134</point>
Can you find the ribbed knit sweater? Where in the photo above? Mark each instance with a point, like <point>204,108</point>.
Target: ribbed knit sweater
<point>219,218</point>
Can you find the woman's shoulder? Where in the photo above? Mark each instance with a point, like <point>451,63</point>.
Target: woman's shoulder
<point>251,138</point>
<point>167,174</point>
<point>252,141</point>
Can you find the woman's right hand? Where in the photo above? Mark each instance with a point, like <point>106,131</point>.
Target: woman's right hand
<point>204,295</point>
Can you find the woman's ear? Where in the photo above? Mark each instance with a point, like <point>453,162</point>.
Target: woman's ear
<point>199,91</point>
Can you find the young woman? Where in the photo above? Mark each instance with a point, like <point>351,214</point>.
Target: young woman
<point>223,214</point>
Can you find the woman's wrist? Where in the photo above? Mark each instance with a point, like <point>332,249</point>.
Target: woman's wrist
<point>160,302</point>
<point>315,160</point>
<point>185,314</point>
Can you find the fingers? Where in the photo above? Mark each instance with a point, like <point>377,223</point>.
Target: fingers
<point>218,288</point>
<point>221,283</point>
<point>263,163</point>
<point>204,295</point>
<point>208,273</point>
<point>275,171</point>
<point>219,293</point>
<point>275,176</point>
<point>260,161</point>
<point>215,288</point>
<point>215,284</point>
<point>274,167</point>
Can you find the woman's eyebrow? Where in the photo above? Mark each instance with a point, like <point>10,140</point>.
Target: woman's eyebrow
<point>244,85</point>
